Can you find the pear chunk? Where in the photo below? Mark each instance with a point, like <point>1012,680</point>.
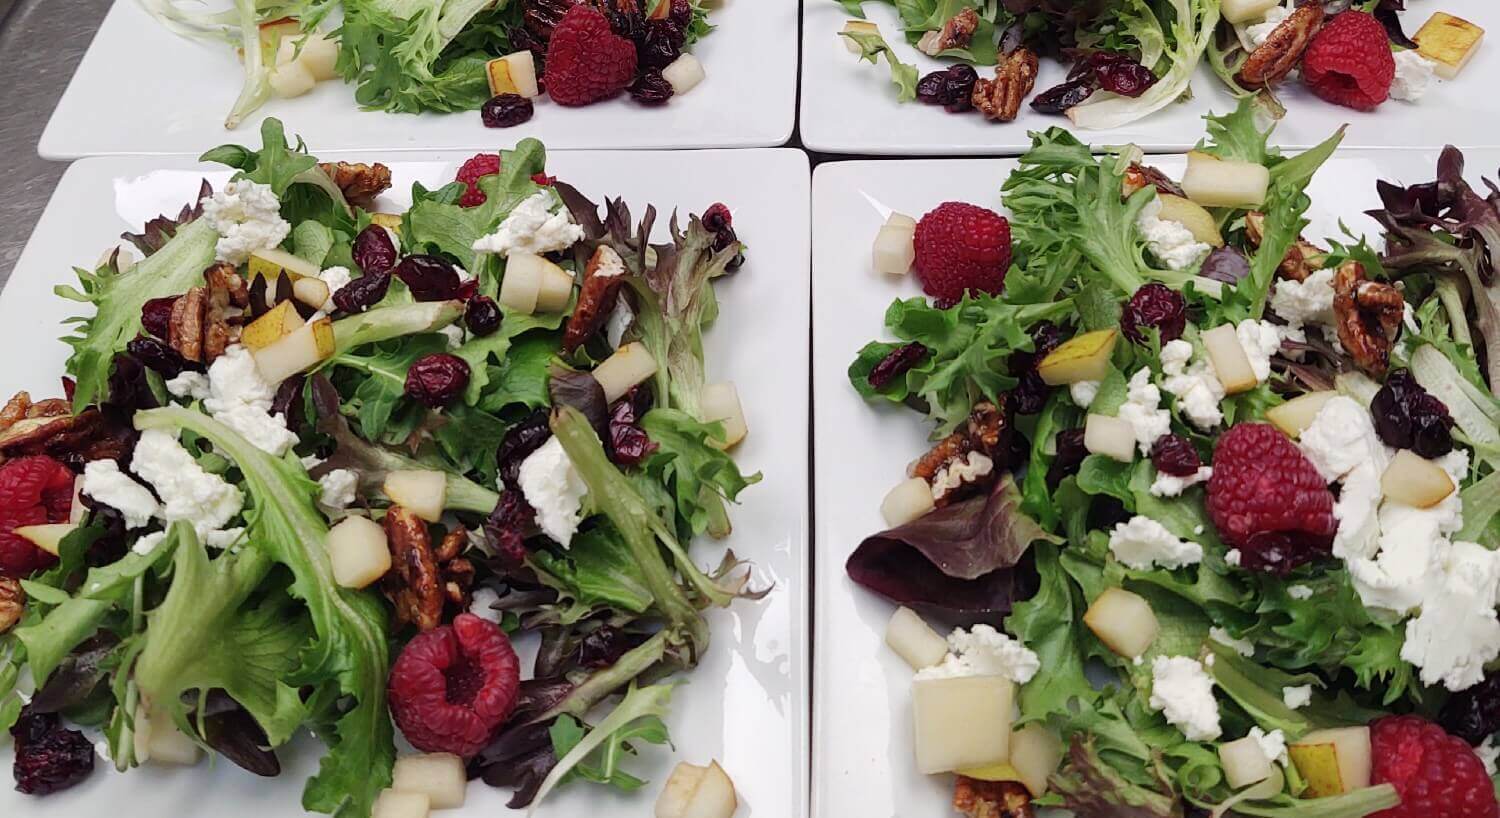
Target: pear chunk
<point>1333,761</point>
<point>1123,621</point>
<point>631,364</point>
<point>1214,182</point>
<point>914,640</point>
<point>697,792</point>
<point>910,499</point>
<point>962,722</point>
<point>1231,364</point>
<point>1080,358</point>
<point>1294,416</point>
<point>48,536</point>
<point>1110,436</point>
<point>358,551</point>
<point>1415,481</point>
<point>439,776</point>
<point>422,492</point>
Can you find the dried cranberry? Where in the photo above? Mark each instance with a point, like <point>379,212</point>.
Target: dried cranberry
<point>725,239</point>
<point>1278,552</point>
<point>604,645</point>
<point>1059,98</point>
<point>1125,77</point>
<point>374,252</point>
<point>362,293</point>
<point>1409,417</point>
<point>437,380</point>
<point>31,725</point>
<point>660,44</point>
<point>1030,395</point>
<point>952,88</point>
<point>1225,264</point>
<point>128,387</point>
<point>1175,455</point>
<point>506,527</point>
<point>519,442</point>
<point>1474,714</point>
<point>429,278</point>
<point>468,289</point>
<point>49,758</point>
<point>681,13</point>
<point>1154,305</point>
<point>506,111</point>
<point>897,362</point>
<point>651,88</point>
<point>482,316</point>
<point>156,316</point>
<point>160,358</point>
<point>628,442</point>
<point>1069,457</point>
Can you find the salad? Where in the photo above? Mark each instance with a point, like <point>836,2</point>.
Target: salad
<point>414,56</point>
<point>1209,521</point>
<point>322,466</point>
<point>1130,59</point>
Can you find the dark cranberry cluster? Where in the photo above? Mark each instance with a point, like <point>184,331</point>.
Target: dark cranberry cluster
<point>718,220</point>
<point>1409,417</point>
<point>1030,395</point>
<point>952,88</point>
<point>48,757</point>
<point>1113,72</point>
<point>437,380</point>
<point>1154,305</point>
<point>897,362</point>
<point>1474,714</point>
<point>506,111</point>
<point>1175,455</point>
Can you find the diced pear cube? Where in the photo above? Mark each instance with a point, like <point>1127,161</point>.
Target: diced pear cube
<point>320,56</point>
<point>1415,481</point>
<point>914,640</point>
<point>1080,358</point>
<point>630,365</point>
<point>533,284</point>
<point>720,402</point>
<point>439,776</point>
<point>1214,182</point>
<point>390,221</point>
<point>683,74</point>
<point>894,249</point>
<point>158,740</point>
<point>420,491</point>
<point>910,499</point>
<point>1035,753</point>
<point>697,792</point>
<point>1247,11</point>
<point>1450,42</point>
<point>1294,416</point>
<point>513,74</point>
<point>269,263</point>
<point>1244,762</point>
<point>358,551</point>
<point>962,722</point>
<point>678,792</point>
<point>295,352</point>
<point>277,323</point>
<point>1191,215</point>
<point>48,536</point>
<point>311,291</point>
<point>291,79</point>
<point>897,219</point>
<point>1123,621</point>
<point>1109,436</point>
<point>397,804</point>
<point>1332,761</point>
<point>1231,364</point>
<point>555,290</point>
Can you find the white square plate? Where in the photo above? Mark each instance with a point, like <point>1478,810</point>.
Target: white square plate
<point>747,703</point>
<point>863,762</point>
<point>849,106</point>
<point>141,89</point>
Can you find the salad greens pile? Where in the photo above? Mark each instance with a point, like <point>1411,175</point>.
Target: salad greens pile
<point>239,635</point>
<point>1042,535</point>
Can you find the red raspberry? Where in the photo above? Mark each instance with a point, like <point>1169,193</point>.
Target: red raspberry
<point>453,685</point>
<point>1268,500</point>
<point>962,247</point>
<point>33,491</point>
<point>479,166</point>
<point>586,61</point>
<point>1436,775</point>
<point>1349,62</point>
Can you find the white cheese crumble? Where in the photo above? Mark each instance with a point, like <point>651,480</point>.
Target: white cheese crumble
<point>1197,387</point>
<point>1170,241</point>
<point>1142,410</point>
<point>1241,646</point>
<point>610,263</point>
<point>482,605</point>
<point>455,335</point>
<point>105,482</point>
<point>1299,592</point>
<point>339,489</point>
<point>241,399</point>
<point>1272,744</point>
<point>1309,301</point>
<point>247,216</point>
<point>189,384</point>
<point>553,487</point>
<point>1143,543</point>
<point>1488,752</point>
<point>966,469</point>
<point>148,542</point>
<point>187,492</point>
<point>1184,693</point>
<point>1457,632</point>
<point>1260,32</point>
<point>618,324</point>
<point>1233,557</point>
<point>1083,392</point>
<point>1341,437</point>
<point>1296,697</point>
<point>1413,75</point>
<point>337,278</point>
<point>532,227</point>
<point>1170,485</point>
<point>1261,340</point>
<point>984,651</point>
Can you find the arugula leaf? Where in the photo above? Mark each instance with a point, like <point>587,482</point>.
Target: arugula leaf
<point>496,347</point>
<point>638,716</point>
<point>872,47</point>
<point>602,766</point>
<point>395,52</point>
<point>523,378</point>
<point>383,385</point>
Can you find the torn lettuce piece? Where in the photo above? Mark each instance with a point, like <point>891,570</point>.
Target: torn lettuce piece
<point>642,706</point>
<point>872,47</point>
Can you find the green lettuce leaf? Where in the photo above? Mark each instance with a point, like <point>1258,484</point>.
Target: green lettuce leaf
<point>872,47</point>
<point>687,461</point>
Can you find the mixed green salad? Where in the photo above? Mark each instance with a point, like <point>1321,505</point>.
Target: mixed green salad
<point>1216,505</point>
<point>318,464</point>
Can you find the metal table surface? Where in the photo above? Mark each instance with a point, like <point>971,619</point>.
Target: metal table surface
<point>41,41</point>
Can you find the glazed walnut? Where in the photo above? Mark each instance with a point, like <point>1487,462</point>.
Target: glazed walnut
<point>951,466</point>
<point>205,320</point>
<point>1000,99</point>
<point>423,581</point>
<point>991,799</point>
<point>12,603</point>
<point>596,298</point>
<point>958,32</point>
<point>1139,176</point>
<point>360,182</point>
<point>1302,259</point>
<point>1272,60</point>
<point>1367,315</point>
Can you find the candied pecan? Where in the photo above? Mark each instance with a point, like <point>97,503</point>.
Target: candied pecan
<point>949,466</point>
<point>991,799</point>
<point>360,182</point>
<point>49,408</point>
<point>1270,62</point>
<point>1367,315</point>
<point>12,603</point>
<point>413,584</point>
<point>1139,176</point>
<point>596,298</point>
<point>455,572</point>
<point>1301,259</point>
<point>204,319</point>
<point>958,32</point>
<point>185,332</point>
<point>541,16</point>
<point>1000,99</point>
<point>74,440</point>
<point>15,409</point>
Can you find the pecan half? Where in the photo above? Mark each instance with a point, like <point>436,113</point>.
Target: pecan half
<point>602,277</point>
<point>412,584</point>
<point>455,572</point>
<point>991,799</point>
<point>360,182</point>
<point>967,460</point>
<point>12,603</point>
<point>15,409</point>
<point>74,440</point>
<point>1139,176</point>
<point>204,320</point>
<point>958,32</point>
<point>1302,259</point>
<point>1000,99</point>
<point>1367,315</point>
<point>1270,62</point>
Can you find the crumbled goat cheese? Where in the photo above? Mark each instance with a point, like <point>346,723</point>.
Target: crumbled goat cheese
<point>1358,533</point>
<point>337,278</point>
<point>187,492</point>
<point>1457,632</point>
<point>1260,340</point>
<point>1413,74</point>
<point>553,487</point>
<point>1341,437</point>
<point>189,384</point>
<point>339,489</point>
<point>532,227</point>
<point>966,469</point>
<point>984,651</point>
<point>1241,646</point>
<point>105,483</point>
<point>618,324</point>
<point>1272,744</point>
<point>1299,592</point>
<point>1143,543</point>
<point>1259,32</point>
<point>1184,693</point>
<point>148,542</point>
<point>1295,697</point>
<point>1170,241</point>
<point>1233,557</point>
<point>1142,410</point>
<point>241,399</point>
<point>1309,301</point>
<point>1411,544</point>
<point>1083,392</point>
<point>1488,752</point>
<point>483,605</point>
<point>610,263</point>
<point>1170,485</point>
<point>455,335</point>
<point>248,218</point>
<point>1197,388</point>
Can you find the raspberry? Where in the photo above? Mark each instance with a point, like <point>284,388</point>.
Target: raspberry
<point>962,247</point>
<point>1175,455</point>
<point>586,60</point>
<point>33,491</point>
<point>1268,500</point>
<point>478,167</point>
<point>1436,775</point>
<point>1154,305</point>
<point>454,685</point>
<point>1349,62</point>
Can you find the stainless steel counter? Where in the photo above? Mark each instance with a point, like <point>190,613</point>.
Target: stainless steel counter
<point>41,41</point>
